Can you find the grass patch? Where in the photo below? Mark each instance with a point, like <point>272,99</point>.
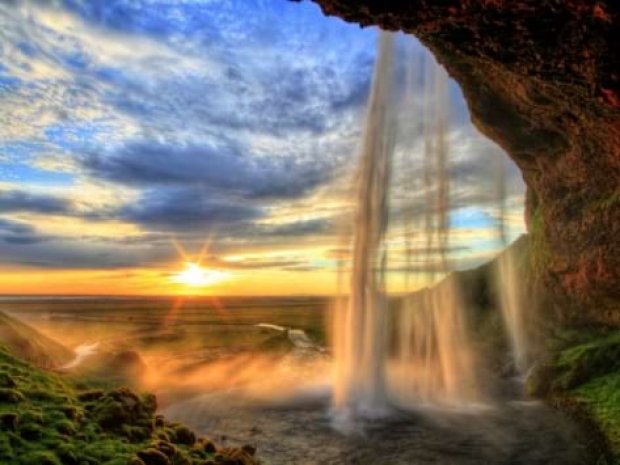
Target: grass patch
<point>602,398</point>
<point>588,360</point>
<point>584,379</point>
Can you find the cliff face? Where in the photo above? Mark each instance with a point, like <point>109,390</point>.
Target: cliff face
<point>541,79</point>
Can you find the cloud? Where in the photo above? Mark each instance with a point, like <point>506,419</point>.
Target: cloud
<point>297,228</point>
<point>230,119</point>
<point>66,254</point>
<point>15,233</point>
<point>22,244</point>
<point>22,201</point>
<point>189,210</point>
<point>221,167</point>
<point>254,263</point>
<point>196,212</point>
<point>13,227</point>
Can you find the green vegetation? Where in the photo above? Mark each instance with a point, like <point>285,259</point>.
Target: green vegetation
<point>48,420</point>
<point>583,377</point>
<point>596,356</point>
<point>602,397</point>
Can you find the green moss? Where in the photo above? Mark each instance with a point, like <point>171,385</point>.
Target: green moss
<point>586,374</point>
<point>67,454</point>
<point>602,397</point>
<point>54,423</point>
<point>588,360</point>
<point>40,458</point>
<point>6,450</point>
<point>11,396</point>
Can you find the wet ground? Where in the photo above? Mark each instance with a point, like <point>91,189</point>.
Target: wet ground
<point>300,431</point>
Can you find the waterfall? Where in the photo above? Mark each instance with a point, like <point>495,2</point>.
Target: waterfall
<point>512,301</point>
<point>513,308</point>
<point>438,365</point>
<point>433,361</point>
<point>360,347</point>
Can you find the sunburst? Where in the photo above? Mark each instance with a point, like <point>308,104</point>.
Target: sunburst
<point>194,275</point>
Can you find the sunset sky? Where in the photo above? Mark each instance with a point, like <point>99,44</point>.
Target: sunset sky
<point>139,135</point>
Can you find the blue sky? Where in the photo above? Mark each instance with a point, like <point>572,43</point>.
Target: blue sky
<point>126,125</point>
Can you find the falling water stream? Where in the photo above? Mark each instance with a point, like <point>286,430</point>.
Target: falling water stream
<point>434,361</point>
<point>360,345</point>
<point>513,308</point>
<point>512,301</point>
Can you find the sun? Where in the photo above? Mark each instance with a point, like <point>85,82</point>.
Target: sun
<point>194,275</point>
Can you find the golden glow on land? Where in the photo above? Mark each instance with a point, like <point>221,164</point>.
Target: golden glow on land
<point>194,275</point>
<point>158,281</point>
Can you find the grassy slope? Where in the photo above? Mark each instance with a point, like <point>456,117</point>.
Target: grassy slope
<point>32,345</point>
<point>46,420</point>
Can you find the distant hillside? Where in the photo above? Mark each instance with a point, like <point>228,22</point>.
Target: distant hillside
<point>31,345</point>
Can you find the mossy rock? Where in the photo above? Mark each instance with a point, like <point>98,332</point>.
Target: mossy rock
<point>65,427</point>
<point>11,396</point>
<point>206,445</point>
<point>72,412</point>
<point>7,381</point>
<point>153,456</point>
<point>9,421</point>
<point>135,434</point>
<point>67,454</point>
<point>184,435</point>
<point>32,416</point>
<point>90,396</point>
<point>123,407</point>
<point>30,431</point>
